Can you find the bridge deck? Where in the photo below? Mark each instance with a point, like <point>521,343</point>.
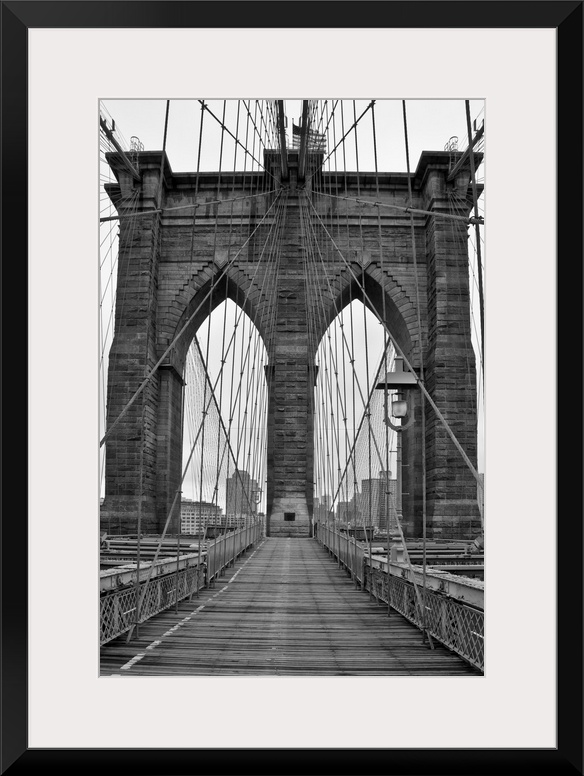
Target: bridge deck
<point>285,609</point>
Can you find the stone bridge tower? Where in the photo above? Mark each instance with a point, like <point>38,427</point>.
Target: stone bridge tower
<point>163,278</point>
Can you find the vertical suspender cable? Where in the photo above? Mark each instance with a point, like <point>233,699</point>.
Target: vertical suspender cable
<point>350,510</point>
<point>367,408</point>
<point>155,233</point>
<point>192,247</point>
<point>422,401</point>
<point>179,531</point>
<point>186,467</point>
<point>354,418</point>
<point>219,459</point>
<point>477,227</point>
<point>385,344</point>
<point>204,424</point>
<point>460,234</point>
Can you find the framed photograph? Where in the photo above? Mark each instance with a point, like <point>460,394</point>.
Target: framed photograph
<point>65,67</point>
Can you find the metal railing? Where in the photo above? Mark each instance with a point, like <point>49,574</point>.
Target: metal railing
<point>459,627</point>
<point>118,608</point>
<point>226,548</point>
<point>452,623</point>
<point>349,552</point>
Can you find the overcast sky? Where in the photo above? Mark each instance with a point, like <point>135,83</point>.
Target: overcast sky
<point>431,123</point>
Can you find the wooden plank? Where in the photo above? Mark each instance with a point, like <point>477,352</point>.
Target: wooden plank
<point>284,609</point>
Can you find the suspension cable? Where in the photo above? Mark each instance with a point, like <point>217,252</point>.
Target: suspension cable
<point>421,358</point>
<point>476,212</point>
<point>407,209</point>
<point>146,359</point>
<point>183,328</point>
<point>406,361</point>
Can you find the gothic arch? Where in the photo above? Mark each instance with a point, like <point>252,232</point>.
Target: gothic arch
<point>400,310</point>
<point>216,288</point>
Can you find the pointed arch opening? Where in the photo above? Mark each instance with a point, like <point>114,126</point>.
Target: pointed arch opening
<point>385,299</point>
<point>224,423</point>
<point>355,451</point>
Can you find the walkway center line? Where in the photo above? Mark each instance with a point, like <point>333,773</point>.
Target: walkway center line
<point>170,631</point>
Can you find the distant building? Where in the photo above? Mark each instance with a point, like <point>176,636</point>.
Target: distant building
<point>322,508</point>
<point>196,515</point>
<point>378,503</point>
<point>350,512</point>
<point>241,498</point>
<point>344,511</point>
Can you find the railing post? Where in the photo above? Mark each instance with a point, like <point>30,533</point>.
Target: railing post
<point>116,617</point>
<point>214,560</point>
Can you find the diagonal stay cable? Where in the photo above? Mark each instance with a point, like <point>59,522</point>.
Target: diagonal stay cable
<point>188,207</point>
<point>373,438</point>
<point>235,138</point>
<point>337,310</point>
<point>402,354</point>
<point>351,128</point>
<point>226,351</point>
<point>184,328</point>
<point>212,400</point>
<point>407,209</point>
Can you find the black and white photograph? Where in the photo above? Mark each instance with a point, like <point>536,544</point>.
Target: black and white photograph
<point>294,495</point>
<point>291,387</point>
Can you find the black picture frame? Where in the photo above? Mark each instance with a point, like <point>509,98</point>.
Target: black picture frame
<point>566,17</point>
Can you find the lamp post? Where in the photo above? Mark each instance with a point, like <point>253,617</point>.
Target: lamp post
<point>256,497</point>
<point>401,382</point>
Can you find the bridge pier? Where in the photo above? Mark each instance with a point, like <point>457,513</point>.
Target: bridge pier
<point>131,452</point>
<point>451,489</point>
<point>290,391</point>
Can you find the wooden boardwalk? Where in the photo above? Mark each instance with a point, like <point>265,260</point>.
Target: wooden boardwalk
<point>284,609</point>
